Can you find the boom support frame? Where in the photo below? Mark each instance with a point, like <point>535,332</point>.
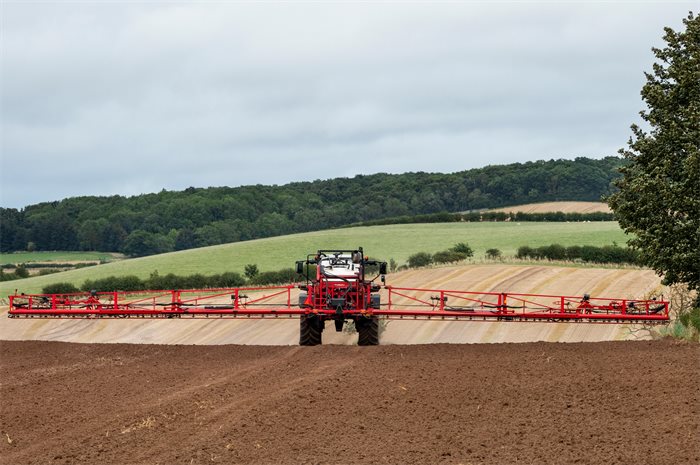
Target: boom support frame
<point>282,302</point>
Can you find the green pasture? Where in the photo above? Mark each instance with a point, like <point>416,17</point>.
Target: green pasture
<point>381,242</point>
<point>59,257</point>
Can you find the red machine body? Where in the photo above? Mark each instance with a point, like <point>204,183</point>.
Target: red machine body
<point>338,289</point>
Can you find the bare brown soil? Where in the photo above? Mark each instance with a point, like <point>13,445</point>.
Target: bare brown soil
<point>593,403</point>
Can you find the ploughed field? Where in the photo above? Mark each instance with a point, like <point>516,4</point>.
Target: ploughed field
<point>572,281</point>
<point>595,403</point>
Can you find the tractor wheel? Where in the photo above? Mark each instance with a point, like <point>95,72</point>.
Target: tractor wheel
<point>368,329</point>
<point>309,330</point>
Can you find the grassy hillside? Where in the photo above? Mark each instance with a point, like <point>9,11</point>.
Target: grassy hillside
<point>383,242</point>
<point>149,224</point>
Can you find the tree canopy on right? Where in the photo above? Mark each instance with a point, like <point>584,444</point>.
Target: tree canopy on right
<point>659,194</point>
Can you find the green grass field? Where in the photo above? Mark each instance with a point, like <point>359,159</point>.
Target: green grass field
<point>60,257</point>
<point>381,242</point>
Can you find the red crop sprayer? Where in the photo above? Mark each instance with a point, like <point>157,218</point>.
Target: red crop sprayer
<point>342,286</point>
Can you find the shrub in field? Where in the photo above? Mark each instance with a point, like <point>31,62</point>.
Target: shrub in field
<point>8,276</point>
<point>553,252</point>
<point>114,283</point>
<point>168,281</point>
<point>493,254</point>
<point>251,271</point>
<point>193,281</point>
<point>493,216</point>
<point>420,259</point>
<point>573,252</point>
<point>60,288</point>
<point>616,254</point>
<point>525,252</point>
<point>45,272</point>
<point>21,271</point>
<point>448,256</point>
<point>685,313</point>
<point>691,320</point>
<point>589,253</point>
<point>463,247</point>
<point>267,278</point>
<point>228,279</point>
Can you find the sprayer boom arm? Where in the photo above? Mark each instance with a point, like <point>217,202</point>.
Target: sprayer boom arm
<point>283,301</point>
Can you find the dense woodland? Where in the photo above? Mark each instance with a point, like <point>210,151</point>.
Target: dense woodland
<point>176,220</point>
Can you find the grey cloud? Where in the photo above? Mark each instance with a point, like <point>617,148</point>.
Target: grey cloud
<point>116,98</point>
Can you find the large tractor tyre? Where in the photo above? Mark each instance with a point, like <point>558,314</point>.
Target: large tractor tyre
<point>310,330</point>
<point>368,330</point>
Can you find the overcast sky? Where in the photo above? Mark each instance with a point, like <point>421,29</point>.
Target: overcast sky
<point>132,97</point>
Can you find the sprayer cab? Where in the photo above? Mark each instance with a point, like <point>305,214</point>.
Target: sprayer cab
<point>338,280</point>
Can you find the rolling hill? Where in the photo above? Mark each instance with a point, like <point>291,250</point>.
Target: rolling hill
<point>384,242</point>
<point>166,221</point>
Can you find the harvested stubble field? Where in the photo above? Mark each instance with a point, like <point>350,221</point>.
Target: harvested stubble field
<point>594,403</point>
<point>566,207</point>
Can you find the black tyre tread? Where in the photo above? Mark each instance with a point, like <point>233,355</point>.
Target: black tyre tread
<point>309,331</point>
<point>368,330</point>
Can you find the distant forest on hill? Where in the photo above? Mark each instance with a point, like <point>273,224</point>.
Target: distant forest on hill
<point>176,220</point>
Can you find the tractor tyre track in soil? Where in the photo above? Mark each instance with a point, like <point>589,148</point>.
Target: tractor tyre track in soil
<point>607,403</point>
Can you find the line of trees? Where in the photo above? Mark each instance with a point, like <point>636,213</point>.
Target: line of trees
<point>167,221</point>
<point>584,253</point>
<point>19,272</point>
<point>446,217</point>
<point>459,252</point>
<point>578,253</point>
<point>172,281</point>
